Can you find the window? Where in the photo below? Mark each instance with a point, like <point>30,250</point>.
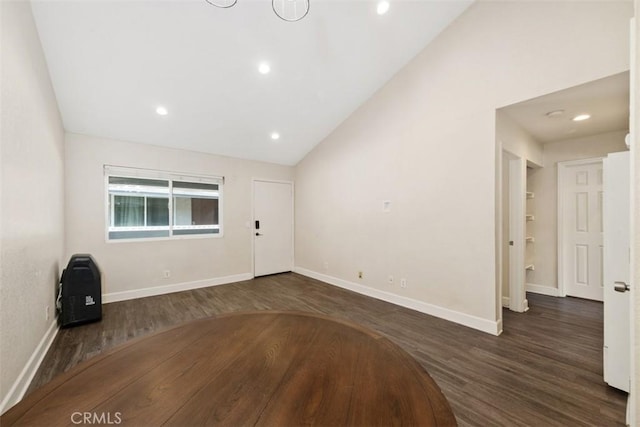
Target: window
<point>150,204</point>
<point>195,208</point>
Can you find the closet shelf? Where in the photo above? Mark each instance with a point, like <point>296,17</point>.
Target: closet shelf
<point>530,267</point>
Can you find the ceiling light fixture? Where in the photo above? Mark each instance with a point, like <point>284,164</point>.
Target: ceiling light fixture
<point>555,114</point>
<point>581,117</point>
<point>275,136</point>
<point>264,68</point>
<point>162,110</point>
<point>383,7</point>
<point>222,3</point>
<point>287,10</point>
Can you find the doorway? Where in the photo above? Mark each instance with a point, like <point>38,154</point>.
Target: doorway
<point>567,134</point>
<point>545,132</point>
<point>272,227</point>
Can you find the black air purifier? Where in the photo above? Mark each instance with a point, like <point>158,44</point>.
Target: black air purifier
<point>80,293</point>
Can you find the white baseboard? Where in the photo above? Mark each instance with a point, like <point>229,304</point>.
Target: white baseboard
<point>20,386</point>
<point>484,325</point>
<point>176,287</point>
<point>505,301</point>
<point>544,290</point>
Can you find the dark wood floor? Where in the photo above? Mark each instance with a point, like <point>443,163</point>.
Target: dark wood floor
<point>265,368</point>
<point>544,370</point>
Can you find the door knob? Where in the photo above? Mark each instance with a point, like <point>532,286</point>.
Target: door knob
<point>258,234</point>
<point>620,286</point>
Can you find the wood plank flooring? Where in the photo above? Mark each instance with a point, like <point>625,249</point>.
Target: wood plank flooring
<point>265,368</point>
<point>544,370</point>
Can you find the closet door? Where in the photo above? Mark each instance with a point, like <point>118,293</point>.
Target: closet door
<point>581,196</point>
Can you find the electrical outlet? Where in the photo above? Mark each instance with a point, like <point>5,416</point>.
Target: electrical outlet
<point>390,280</point>
<point>403,283</point>
<point>360,274</point>
<point>166,274</point>
<point>46,313</point>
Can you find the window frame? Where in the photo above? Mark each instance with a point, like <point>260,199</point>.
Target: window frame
<point>129,172</point>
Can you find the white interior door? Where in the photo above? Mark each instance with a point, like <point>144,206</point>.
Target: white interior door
<point>617,270</point>
<point>273,227</point>
<point>581,198</point>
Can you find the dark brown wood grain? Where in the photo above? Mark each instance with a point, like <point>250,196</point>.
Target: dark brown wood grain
<point>544,370</point>
<point>263,368</point>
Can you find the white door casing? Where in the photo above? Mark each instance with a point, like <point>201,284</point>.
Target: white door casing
<point>633,403</point>
<point>617,270</point>
<point>517,206</point>
<point>580,246</point>
<point>272,227</point>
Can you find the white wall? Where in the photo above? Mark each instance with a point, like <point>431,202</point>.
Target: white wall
<point>516,140</point>
<point>427,142</point>
<point>129,267</point>
<point>635,124</point>
<point>544,183</point>
<point>31,199</point>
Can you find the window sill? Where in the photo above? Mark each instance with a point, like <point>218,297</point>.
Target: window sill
<point>163,239</point>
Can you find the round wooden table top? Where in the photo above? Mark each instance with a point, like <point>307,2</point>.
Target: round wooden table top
<point>266,368</point>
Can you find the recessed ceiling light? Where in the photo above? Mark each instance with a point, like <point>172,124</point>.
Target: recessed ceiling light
<point>275,135</point>
<point>383,7</point>
<point>581,117</point>
<point>264,68</point>
<point>555,114</point>
<point>162,110</point>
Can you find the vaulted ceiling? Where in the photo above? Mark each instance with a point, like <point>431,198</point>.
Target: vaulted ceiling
<point>113,63</point>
